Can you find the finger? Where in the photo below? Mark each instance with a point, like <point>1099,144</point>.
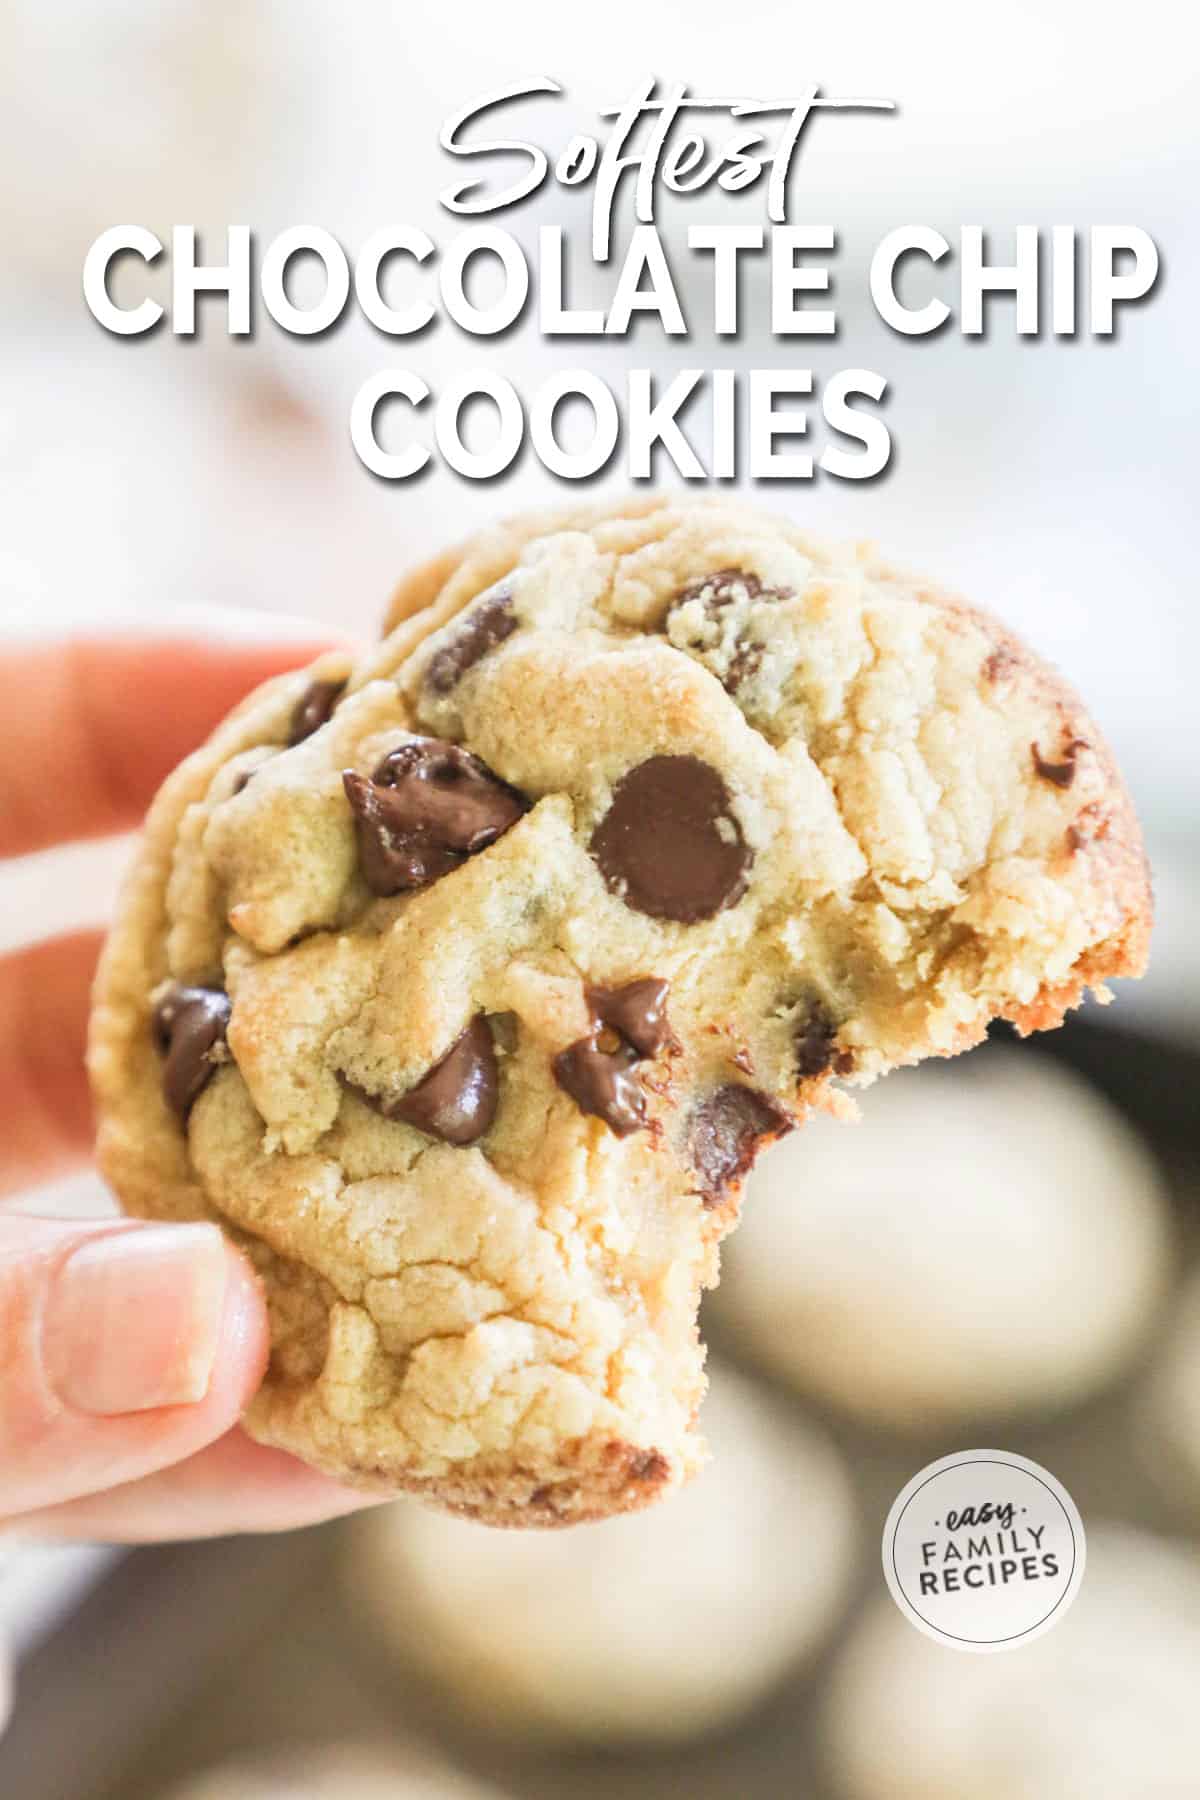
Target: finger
<point>124,1348</point>
<point>45,1107</point>
<point>233,1486</point>
<point>91,726</point>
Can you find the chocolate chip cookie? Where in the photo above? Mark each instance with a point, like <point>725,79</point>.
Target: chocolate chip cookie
<point>463,981</point>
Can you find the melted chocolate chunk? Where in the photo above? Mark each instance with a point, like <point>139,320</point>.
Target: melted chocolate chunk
<point>638,1010</point>
<point>629,1023</point>
<point>428,806</point>
<point>189,1022</point>
<point>817,1047</point>
<point>456,1101</point>
<point>1062,774</point>
<point>602,1082</point>
<point>726,1132</point>
<point>487,625</point>
<point>315,707</point>
<point>669,844</point>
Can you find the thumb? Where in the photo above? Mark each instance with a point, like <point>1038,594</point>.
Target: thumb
<point>123,1348</point>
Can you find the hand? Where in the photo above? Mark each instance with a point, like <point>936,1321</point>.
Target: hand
<point>128,1351</point>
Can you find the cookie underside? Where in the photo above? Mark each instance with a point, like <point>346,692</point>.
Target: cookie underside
<point>826,819</point>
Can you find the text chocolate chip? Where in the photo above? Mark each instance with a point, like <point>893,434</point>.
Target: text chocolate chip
<point>669,844</point>
<point>313,709</point>
<point>456,1100</point>
<point>726,1132</point>
<point>428,806</point>
<point>189,1022</point>
<point>488,624</point>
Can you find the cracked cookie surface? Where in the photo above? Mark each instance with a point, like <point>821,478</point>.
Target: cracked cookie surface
<point>462,981</point>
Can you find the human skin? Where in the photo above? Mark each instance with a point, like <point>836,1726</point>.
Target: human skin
<point>128,1350</point>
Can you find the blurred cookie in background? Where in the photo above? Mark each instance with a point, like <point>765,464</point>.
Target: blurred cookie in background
<point>339,1773</point>
<point>1101,1708</point>
<point>1169,1411</point>
<point>140,113</point>
<point>991,1239</point>
<point>651,1628</point>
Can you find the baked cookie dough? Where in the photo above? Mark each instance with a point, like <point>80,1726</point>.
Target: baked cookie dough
<point>991,1239</point>
<point>462,981</point>
<point>1102,1706</point>
<point>654,1628</point>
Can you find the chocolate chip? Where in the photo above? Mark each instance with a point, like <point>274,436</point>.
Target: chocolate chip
<point>817,1047</point>
<point>629,1023</point>
<point>487,625</point>
<point>428,806</point>
<point>746,662</point>
<point>314,708</point>
<point>456,1101</point>
<point>717,592</point>
<point>638,1010</point>
<point>726,1132</point>
<point>722,588</point>
<point>189,1022</point>
<point>1062,774</point>
<point>669,844</point>
<point>601,1082</point>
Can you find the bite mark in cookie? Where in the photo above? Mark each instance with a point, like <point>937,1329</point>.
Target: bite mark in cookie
<point>670,843</point>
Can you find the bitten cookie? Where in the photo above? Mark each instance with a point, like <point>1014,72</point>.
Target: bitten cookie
<point>463,981</point>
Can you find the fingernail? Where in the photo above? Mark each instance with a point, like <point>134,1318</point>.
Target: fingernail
<point>133,1319</point>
